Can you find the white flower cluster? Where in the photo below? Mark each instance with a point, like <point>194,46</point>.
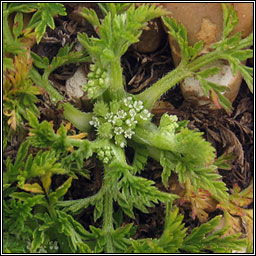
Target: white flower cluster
<point>97,82</point>
<point>168,123</point>
<point>122,118</point>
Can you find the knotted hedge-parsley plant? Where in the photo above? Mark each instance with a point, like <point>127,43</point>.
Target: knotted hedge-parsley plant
<point>119,120</point>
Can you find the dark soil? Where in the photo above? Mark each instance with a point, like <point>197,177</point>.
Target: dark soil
<point>227,133</point>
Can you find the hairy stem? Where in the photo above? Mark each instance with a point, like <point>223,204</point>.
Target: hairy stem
<point>153,93</point>
<point>150,136</point>
<point>78,118</point>
<point>116,89</point>
<point>108,221</point>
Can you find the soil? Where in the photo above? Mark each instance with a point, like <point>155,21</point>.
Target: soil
<point>228,133</point>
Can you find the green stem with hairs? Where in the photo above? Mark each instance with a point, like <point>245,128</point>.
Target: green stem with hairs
<point>153,93</point>
<point>108,221</point>
<point>78,118</point>
<point>116,89</point>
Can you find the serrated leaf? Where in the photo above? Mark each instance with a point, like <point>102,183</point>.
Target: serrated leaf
<point>18,24</point>
<point>91,16</point>
<point>98,210</point>
<point>8,64</point>
<point>140,159</point>
<point>208,72</point>
<point>38,239</point>
<point>230,19</point>
<point>40,62</point>
<point>22,7</point>
<point>62,190</point>
<point>44,17</point>
<point>168,166</point>
<point>224,161</point>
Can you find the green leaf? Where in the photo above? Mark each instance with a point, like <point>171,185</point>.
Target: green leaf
<point>18,24</point>
<point>168,166</point>
<point>230,19</point>
<point>208,72</point>
<point>39,61</point>
<point>45,17</point>
<point>113,8</point>
<point>38,239</point>
<point>98,209</point>
<point>13,169</point>
<point>224,161</point>
<point>140,193</point>
<point>8,64</point>
<point>140,158</point>
<point>60,191</point>
<point>205,237</point>
<point>119,31</point>
<point>72,230</point>
<point>91,16</point>
<point>22,7</point>
<point>178,31</point>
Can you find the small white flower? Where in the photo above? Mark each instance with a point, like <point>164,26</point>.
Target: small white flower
<point>115,117</point>
<point>118,130</point>
<point>122,145</point>
<point>128,102</point>
<point>94,122</point>
<point>125,102</point>
<point>121,114</point>
<point>138,105</point>
<point>129,122</point>
<point>132,112</point>
<point>128,133</point>
<point>108,117</point>
<point>145,115</point>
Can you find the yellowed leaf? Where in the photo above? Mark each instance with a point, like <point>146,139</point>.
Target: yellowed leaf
<point>12,120</point>
<point>247,223</point>
<point>233,223</point>
<point>201,202</point>
<point>34,188</point>
<point>46,180</point>
<point>215,99</point>
<point>78,136</point>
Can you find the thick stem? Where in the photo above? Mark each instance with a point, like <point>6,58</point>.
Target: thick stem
<point>150,136</point>
<point>116,89</point>
<point>153,93</point>
<point>108,221</point>
<point>79,119</point>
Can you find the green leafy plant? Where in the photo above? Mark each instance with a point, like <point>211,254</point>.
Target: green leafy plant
<point>19,91</point>
<point>119,120</point>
